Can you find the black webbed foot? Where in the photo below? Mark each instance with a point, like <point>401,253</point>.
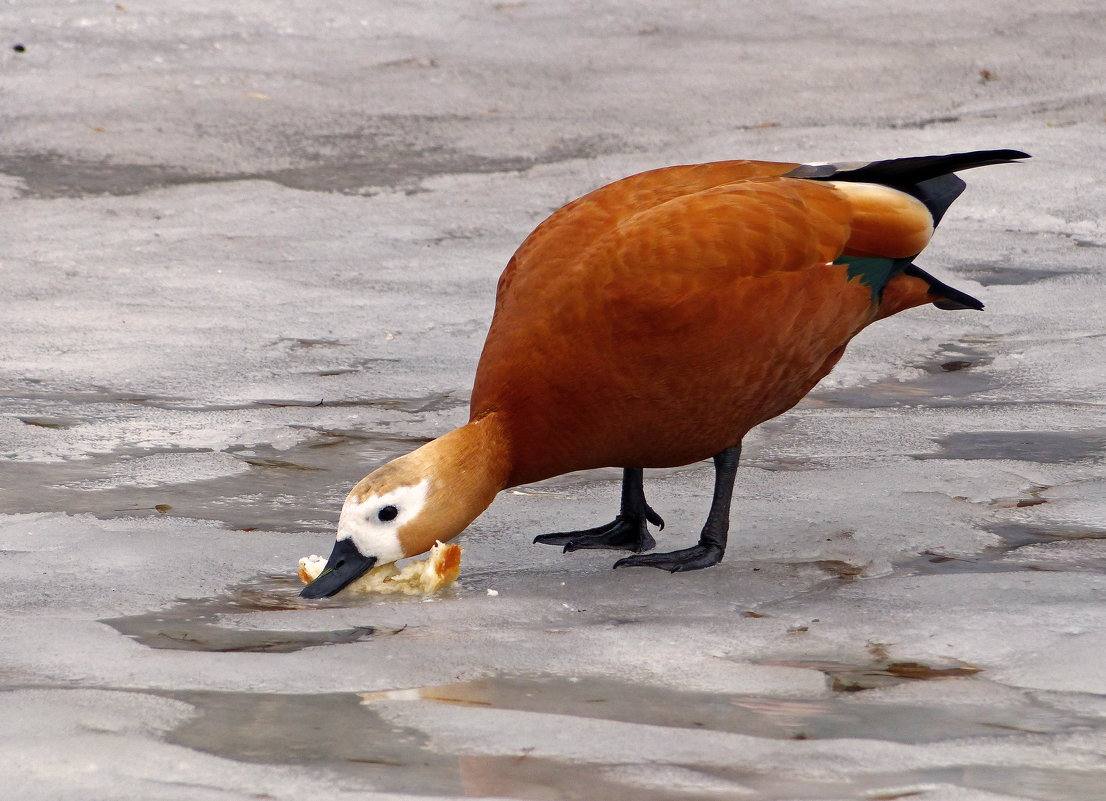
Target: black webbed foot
<point>628,534</point>
<point>694,558</point>
<point>629,531</point>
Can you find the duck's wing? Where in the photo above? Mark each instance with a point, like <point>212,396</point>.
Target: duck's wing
<point>705,241</point>
<point>557,243</point>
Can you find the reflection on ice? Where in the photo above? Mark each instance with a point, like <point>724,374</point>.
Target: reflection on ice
<point>377,743</point>
<point>844,715</point>
<point>193,625</point>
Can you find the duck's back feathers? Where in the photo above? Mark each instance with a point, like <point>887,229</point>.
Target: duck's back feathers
<point>561,238</point>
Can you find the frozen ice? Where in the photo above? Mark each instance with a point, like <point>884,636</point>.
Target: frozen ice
<point>251,253</point>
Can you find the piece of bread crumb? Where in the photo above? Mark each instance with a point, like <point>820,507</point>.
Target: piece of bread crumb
<point>422,577</point>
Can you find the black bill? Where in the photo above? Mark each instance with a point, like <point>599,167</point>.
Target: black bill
<point>345,564</point>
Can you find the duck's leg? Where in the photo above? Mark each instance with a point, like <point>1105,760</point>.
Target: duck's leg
<point>629,531</point>
<point>712,542</point>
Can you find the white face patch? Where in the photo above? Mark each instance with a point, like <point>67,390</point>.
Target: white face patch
<point>374,523</point>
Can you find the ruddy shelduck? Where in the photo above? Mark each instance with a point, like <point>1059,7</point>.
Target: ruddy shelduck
<point>652,323</point>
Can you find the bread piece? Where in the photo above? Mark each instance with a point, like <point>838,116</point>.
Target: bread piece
<point>423,577</point>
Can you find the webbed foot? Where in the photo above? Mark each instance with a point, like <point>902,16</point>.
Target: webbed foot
<point>694,558</point>
<point>623,533</point>
<point>627,532</point>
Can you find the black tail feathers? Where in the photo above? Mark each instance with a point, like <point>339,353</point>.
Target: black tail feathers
<point>931,179</point>
<point>951,298</point>
<point>906,173</point>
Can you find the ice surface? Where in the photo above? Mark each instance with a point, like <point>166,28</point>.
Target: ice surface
<point>250,253</point>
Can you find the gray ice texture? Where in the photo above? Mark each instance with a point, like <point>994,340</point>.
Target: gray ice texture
<point>249,252</point>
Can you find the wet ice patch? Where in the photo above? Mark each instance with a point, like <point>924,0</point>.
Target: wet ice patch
<point>1082,554</point>
<point>1031,446</point>
<point>162,469</point>
<point>60,712</point>
<point>11,186</point>
<point>1077,503</point>
<point>65,426</point>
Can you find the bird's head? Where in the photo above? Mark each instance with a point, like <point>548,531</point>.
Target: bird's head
<point>404,507</point>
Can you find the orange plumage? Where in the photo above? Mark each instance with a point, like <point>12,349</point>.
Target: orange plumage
<point>658,319</point>
<point>652,323</point>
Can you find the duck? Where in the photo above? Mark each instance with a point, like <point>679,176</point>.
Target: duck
<point>652,323</point>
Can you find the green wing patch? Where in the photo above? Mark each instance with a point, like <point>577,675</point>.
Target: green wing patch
<point>874,273</point>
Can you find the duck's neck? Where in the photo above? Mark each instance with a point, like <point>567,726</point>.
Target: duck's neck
<point>466,468</point>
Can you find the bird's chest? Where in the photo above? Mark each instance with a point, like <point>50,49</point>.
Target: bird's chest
<point>662,379</point>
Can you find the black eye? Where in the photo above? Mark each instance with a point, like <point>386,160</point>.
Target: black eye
<point>387,513</point>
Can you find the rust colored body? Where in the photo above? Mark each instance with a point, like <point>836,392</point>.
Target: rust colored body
<point>653,322</point>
